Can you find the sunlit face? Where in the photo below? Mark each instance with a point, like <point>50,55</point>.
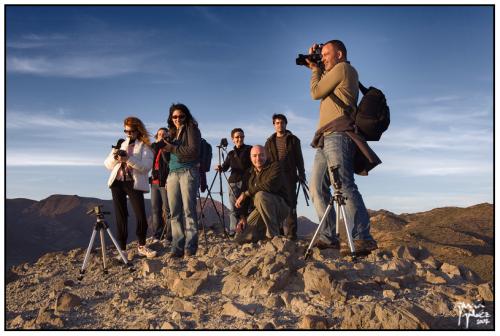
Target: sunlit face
<point>178,118</point>
<point>258,156</point>
<point>279,126</point>
<point>238,138</point>
<point>130,132</point>
<point>161,135</point>
<point>329,56</point>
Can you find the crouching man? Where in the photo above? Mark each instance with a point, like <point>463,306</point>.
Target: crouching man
<point>267,189</point>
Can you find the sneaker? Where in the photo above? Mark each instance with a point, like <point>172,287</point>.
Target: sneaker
<point>365,247</point>
<point>321,244</point>
<point>143,250</point>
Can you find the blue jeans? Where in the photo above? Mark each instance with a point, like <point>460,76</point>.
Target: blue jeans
<point>182,187</point>
<point>339,150</point>
<point>159,205</point>
<point>233,218</point>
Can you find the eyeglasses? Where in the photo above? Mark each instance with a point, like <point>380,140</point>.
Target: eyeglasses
<point>239,137</point>
<point>178,117</point>
<point>129,131</point>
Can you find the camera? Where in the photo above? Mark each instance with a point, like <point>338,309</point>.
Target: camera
<point>120,152</point>
<point>223,143</point>
<point>315,57</point>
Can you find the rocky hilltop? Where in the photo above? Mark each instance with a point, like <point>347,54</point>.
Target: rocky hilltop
<point>267,285</point>
<point>433,270</point>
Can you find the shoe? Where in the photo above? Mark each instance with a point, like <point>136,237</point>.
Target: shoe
<point>188,253</point>
<point>321,244</point>
<point>143,250</point>
<point>365,247</point>
<point>176,255</point>
<point>361,247</point>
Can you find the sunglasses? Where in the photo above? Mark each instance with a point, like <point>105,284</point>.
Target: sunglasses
<point>178,117</point>
<point>129,131</point>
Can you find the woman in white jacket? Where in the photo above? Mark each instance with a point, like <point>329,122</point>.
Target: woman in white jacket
<point>130,166</point>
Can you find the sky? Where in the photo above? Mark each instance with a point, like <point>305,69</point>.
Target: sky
<point>73,73</point>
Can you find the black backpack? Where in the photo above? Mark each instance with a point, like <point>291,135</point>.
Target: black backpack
<point>372,116</point>
<point>205,156</point>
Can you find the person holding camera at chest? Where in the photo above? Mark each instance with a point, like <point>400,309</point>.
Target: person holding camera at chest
<point>268,192</point>
<point>285,147</point>
<point>239,161</point>
<point>183,180</point>
<point>159,200</point>
<point>130,165</point>
<point>336,79</point>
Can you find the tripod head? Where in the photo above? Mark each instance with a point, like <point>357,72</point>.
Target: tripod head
<point>97,210</point>
<point>223,144</point>
<point>337,183</point>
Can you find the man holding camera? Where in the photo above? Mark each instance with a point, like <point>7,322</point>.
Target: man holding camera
<point>336,79</point>
<point>285,147</point>
<point>238,160</point>
<point>267,188</point>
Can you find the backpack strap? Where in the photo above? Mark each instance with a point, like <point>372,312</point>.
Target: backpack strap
<point>362,88</point>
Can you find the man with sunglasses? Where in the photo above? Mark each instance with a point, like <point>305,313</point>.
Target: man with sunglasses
<point>239,161</point>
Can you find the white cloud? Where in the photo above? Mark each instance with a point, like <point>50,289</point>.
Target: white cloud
<point>50,159</point>
<point>75,66</point>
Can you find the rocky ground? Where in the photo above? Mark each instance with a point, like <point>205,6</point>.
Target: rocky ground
<point>267,285</point>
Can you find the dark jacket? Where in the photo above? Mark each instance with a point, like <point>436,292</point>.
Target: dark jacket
<point>162,172</point>
<point>270,179</point>
<point>365,159</point>
<point>293,163</point>
<point>239,161</point>
<point>187,145</point>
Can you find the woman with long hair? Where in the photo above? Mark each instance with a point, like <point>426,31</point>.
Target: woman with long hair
<point>130,165</point>
<point>183,180</point>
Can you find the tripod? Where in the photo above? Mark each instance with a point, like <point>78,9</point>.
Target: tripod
<point>100,226</point>
<point>220,148</point>
<point>339,200</point>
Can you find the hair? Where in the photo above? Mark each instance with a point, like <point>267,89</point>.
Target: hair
<point>279,116</point>
<point>338,45</point>
<point>160,129</point>
<point>236,130</point>
<point>187,120</point>
<point>138,126</point>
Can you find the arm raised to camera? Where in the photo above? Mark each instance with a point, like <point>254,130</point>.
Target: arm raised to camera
<point>110,161</point>
<point>143,164</point>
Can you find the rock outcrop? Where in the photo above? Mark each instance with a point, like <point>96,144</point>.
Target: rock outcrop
<point>266,285</point>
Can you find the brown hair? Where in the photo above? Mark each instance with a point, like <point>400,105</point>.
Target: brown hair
<point>138,126</point>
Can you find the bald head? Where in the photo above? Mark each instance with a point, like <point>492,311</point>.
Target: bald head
<point>258,156</point>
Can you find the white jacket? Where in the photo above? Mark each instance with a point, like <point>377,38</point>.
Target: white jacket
<point>141,163</point>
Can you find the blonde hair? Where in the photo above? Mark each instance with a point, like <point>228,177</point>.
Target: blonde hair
<point>136,123</point>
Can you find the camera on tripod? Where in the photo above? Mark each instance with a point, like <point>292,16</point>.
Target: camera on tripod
<point>314,57</point>
<point>223,143</point>
<point>97,210</point>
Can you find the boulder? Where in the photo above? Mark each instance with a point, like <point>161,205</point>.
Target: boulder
<point>317,280</point>
<point>232,309</point>
<point>151,266</point>
<point>66,301</point>
<point>452,271</point>
<point>486,291</point>
<point>313,322</point>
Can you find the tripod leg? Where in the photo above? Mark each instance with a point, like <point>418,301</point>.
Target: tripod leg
<point>325,215</point>
<point>348,229</point>
<point>103,250</point>
<point>87,254</point>
<point>208,191</point>
<point>117,247</point>
<point>202,223</point>
<point>337,220</point>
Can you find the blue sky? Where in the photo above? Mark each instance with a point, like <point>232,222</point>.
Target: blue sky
<point>74,73</point>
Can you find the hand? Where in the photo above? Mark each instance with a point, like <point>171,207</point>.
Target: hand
<point>122,158</point>
<point>241,225</point>
<point>218,168</point>
<point>168,146</point>
<point>239,201</point>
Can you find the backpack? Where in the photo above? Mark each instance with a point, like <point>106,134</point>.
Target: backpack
<point>205,156</point>
<point>372,116</point>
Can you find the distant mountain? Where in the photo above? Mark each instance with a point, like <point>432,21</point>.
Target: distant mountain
<point>61,223</point>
